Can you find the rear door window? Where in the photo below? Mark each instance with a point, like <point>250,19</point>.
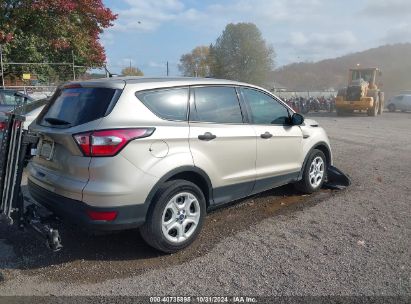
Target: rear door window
<point>216,104</point>
<point>170,104</point>
<point>75,106</point>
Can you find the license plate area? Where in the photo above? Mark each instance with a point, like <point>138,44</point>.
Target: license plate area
<point>46,149</point>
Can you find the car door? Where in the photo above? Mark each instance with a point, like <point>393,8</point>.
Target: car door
<point>279,144</point>
<point>221,142</point>
<point>399,102</point>
<point>407,103</point>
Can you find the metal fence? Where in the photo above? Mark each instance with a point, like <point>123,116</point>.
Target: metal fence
<point>305,94</point>
<point>36,92</point>
<point>41,80</point>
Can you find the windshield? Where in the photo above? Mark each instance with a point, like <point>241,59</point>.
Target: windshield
<point>13,98</point>
<point>366,75</point>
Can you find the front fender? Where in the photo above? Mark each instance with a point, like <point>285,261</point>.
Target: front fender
<point>314,137</point>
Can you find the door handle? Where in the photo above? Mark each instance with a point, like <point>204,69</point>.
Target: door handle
<point>207,136</point>
<point>266,135</point>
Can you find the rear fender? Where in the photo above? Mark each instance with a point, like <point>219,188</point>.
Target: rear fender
<point>175,172</point>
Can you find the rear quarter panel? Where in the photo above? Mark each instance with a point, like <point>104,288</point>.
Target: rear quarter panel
<point>128,177</point>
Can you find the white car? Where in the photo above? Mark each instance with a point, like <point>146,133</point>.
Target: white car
<point>400,102</point>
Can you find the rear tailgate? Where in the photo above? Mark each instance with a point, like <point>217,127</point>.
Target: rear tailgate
<point>59,165</point>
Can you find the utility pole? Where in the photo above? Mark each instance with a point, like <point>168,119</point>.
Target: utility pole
<point>74,69</point>
<point>1,63</point>
<point>167,69</point>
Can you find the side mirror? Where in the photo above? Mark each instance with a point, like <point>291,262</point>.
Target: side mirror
<point>297,119</point>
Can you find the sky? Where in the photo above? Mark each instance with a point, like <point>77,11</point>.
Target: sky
<point>148,33</point>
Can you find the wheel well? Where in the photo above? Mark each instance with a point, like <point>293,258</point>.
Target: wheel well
<point>326,152</point>
<point>195,178</point>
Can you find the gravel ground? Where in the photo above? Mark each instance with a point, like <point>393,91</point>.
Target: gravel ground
<point>351,242</point>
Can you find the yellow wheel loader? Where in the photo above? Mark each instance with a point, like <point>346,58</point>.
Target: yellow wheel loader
<point>361,94</point>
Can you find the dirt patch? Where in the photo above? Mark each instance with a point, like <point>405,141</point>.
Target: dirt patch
<point>91,259</point>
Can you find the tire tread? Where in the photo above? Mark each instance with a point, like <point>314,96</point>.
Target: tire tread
<point>151,234</point>
<point>304,185</point>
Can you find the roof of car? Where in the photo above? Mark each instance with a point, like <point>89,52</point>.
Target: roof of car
<point>176,80</point>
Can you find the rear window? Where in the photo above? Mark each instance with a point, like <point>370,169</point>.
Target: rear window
<point>170,104</point>
<point>75,106</point>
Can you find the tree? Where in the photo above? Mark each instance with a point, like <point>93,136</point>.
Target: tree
<point>196,63</point>
<point>52,31</point>
<point>131,71</point>
<point>241,54</point>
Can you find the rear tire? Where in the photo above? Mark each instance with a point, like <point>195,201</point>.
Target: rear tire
<point>315,173</point>
<point>391,108</point>
<point>382,102</point>
<point>175,217</point>
<point>374,110</point>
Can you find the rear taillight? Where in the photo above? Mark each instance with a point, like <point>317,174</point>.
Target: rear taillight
<point>108,142</point>
<point>3,126</point>
<point>83,141</point>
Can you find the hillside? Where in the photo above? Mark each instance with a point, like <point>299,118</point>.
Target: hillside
<point>393,60</point>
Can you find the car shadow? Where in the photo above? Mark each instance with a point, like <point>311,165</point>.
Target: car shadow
<point>100,257</point>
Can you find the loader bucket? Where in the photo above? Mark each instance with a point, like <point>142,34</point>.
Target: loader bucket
<point>336,179</point>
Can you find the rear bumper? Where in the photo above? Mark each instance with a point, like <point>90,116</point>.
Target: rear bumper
<point>75,212</point>
<point>363,104</point>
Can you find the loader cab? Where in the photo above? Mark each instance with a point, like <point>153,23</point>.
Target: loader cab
<point>368,75</point>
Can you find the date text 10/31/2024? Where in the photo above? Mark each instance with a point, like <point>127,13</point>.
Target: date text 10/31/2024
<point>203,300</point>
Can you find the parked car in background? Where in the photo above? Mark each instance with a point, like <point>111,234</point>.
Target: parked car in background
<point>10,99</point>
<point>400,102</point>
<point>30,111</point>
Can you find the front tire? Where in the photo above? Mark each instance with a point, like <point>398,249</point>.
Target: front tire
<point>314,174</point>
<point>176,216</point>
<point>374,110</point>
<point>391,108</point>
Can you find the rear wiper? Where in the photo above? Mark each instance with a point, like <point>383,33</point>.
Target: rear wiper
<point>56,121</point>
